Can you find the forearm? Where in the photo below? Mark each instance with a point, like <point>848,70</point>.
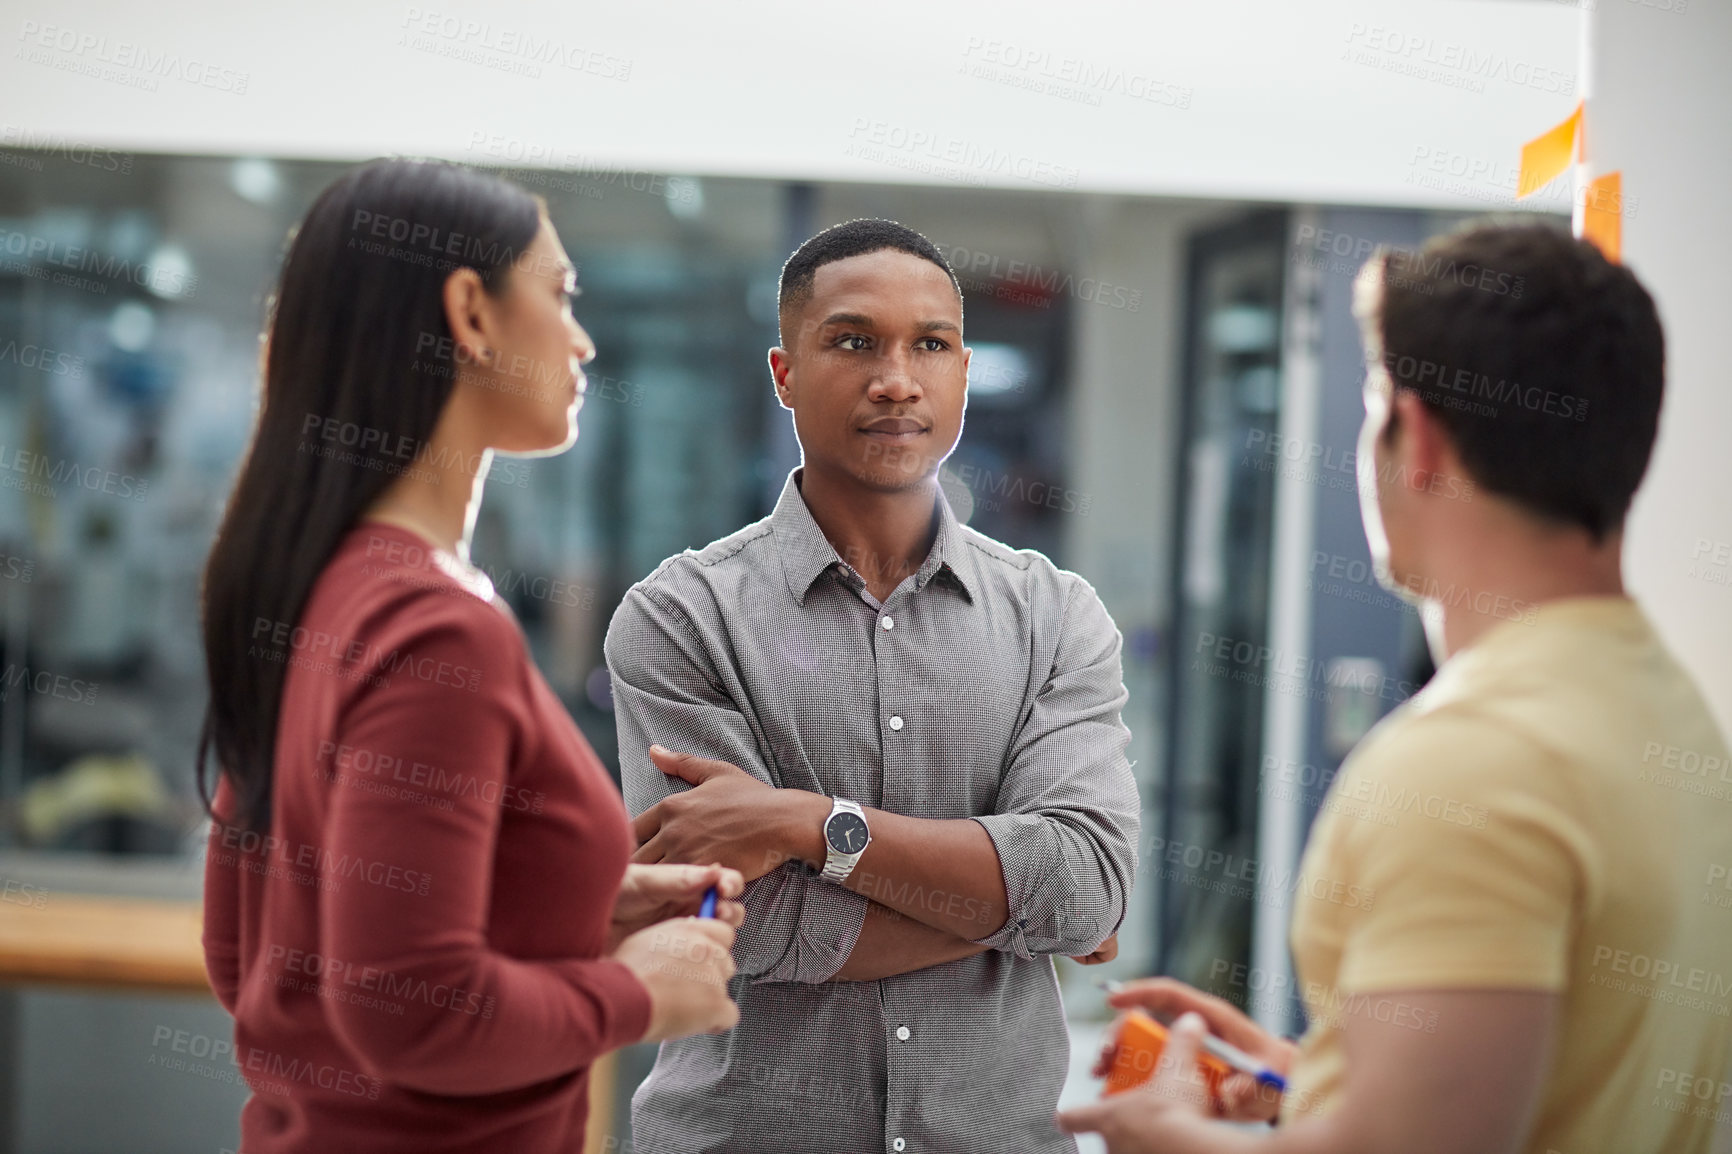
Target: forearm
<point>1324,1135</point>
<point>1341,1131</point>
<point>891,943</point>
<point>1196,1135</point>
<point>942,873</point>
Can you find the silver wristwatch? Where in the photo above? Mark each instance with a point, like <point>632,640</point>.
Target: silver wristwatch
<point>845,839</point>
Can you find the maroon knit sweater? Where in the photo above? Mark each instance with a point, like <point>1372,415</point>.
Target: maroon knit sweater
<point>414,953</point>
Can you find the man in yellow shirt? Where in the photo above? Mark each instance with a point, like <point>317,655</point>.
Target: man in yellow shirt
<point>1545,963</point>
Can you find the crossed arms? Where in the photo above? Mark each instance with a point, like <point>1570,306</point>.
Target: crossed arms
<point>1049,873</point>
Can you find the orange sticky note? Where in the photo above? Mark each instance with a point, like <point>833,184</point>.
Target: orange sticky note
<point>1546,156</point>
<point>1603,214</point>
<point>1140,1042</point>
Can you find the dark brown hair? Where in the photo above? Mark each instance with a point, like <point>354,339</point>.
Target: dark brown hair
<point>1543,361</point>
<point>358,304</point>
<point>839,242</point>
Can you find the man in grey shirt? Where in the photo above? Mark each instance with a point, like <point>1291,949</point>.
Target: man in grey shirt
<point>861,667</point>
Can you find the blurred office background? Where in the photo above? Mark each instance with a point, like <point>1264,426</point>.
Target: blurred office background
<point>1156,244</point>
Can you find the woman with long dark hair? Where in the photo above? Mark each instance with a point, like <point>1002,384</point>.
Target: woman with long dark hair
<point>418,904</point>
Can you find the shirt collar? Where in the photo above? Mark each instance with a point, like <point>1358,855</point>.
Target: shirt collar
<point>807,554</point>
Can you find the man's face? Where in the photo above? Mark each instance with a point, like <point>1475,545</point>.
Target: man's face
<point>875,370</point>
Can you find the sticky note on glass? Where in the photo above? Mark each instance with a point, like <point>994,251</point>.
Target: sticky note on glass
<point>1603,214</point>
<point>1546,156</point>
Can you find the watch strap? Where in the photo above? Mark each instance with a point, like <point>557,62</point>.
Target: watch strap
<point>838,865</point>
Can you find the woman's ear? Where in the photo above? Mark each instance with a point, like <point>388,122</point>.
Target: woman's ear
<point>469,313</point>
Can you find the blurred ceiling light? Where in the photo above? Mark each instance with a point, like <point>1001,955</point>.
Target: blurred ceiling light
<point>131,326</point>
<point>170,273</point>
<point>685,196</point>
<point>256,179</point>
<point>130,234</point>
<point>997,369</point>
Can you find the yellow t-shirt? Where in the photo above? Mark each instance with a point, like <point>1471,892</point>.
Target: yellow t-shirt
<point>1553,812</point>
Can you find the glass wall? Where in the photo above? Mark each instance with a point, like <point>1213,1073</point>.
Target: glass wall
<point>132,293</point>
<point>1232,399</point>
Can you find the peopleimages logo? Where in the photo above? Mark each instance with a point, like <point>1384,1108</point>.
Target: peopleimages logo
<point>38,473</point>
<point>1066,77</point>
<point>169,281</point>
<point>75,151</point>
<point>352,765</point>
<point>253,851</point>
<point>90,54</point>
<point>351,657</point>
<point>185,1052</point>
<point>521,51</point>
<point>1023,282</point>
<point>1219,871</point>
<point>353,981</point>
<point>43,359</point>
<point>1295,459</point>
<point>1291,672</point>
<point>381,450</point>
<point>949,157</point>
<point>1378,801</point>
<point>1406,265</point>
<point>41,681</point>
<point>1458,65</point>
<point>1661,979</point>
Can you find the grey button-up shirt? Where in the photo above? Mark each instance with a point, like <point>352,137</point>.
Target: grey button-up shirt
<point>993,693</point>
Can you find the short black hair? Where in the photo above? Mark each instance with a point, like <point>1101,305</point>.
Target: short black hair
<point>1543,361</point>
<point>841,241</point>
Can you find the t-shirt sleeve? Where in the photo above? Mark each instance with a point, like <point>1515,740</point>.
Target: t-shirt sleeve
<point>1474,864</point>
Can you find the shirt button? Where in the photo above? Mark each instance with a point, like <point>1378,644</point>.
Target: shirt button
<point>902,1033</point>
<point>896,723</point>
<point>887,622</point>
<point>899,1144</point>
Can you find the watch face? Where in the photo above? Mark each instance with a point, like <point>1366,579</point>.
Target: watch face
<point>846,833</point>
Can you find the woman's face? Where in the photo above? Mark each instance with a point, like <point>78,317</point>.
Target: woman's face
<point>530,388</point>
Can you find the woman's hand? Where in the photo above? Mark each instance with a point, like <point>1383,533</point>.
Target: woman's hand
<point>1243,1098</point>
<point>685,964</point>
<point>654,893</point>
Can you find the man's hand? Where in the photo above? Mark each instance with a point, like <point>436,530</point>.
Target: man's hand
<point>1169,1116</point>
<point>1109,950</point>
<point>729,817</point>
<point>1243,1098</point>
<point>654,893</point>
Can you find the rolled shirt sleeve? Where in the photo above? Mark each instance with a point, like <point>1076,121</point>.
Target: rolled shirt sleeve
<point>666,690</point>
<point>1068,814</point>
